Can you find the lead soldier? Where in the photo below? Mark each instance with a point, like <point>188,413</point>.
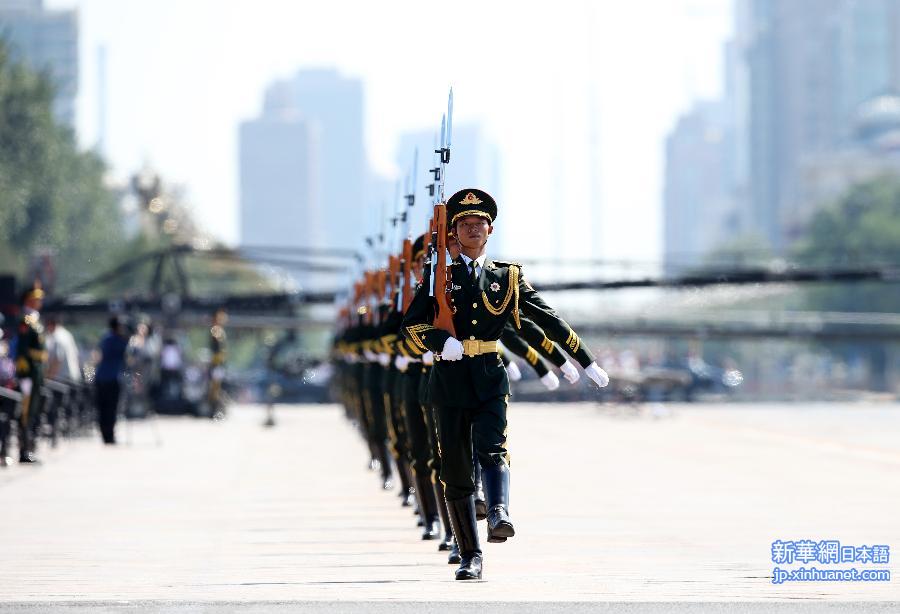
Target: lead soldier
<point>469,387</point>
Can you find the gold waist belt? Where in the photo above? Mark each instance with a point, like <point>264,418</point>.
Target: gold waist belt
<point>474,347</point>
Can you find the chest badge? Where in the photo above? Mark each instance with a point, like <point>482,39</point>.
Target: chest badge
<point>495,287</point>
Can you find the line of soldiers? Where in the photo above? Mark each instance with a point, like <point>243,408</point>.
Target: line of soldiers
<point>433,404</point>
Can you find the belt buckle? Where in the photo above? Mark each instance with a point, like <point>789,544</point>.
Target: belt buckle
<point>470,347</point>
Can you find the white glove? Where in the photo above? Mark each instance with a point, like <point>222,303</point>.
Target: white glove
<point>597,374</point>
<point>453,349</point>
<point>384,359</point>
<point>570,372</point>
<point>428,358</point>
<point>370,355</point>
<point>550,381</point>
<point>401,362</point>
<point>512,369</point>
<point>25,386</point>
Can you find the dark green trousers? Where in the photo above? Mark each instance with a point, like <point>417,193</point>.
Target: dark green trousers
<point>434,460</point>
<point>418,440</point>
<point>462,429</point>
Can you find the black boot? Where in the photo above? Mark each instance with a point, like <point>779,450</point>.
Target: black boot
<point>406,491</point>
<point>496,482</point>
<point>427,508</point>
<point>447,543</point>
<point>465,528</point>
<point>387,482</point>
<point>453,557</point>
<point>480,503</point>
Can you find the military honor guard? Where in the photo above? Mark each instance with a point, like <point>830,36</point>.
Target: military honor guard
<point>31,357</point>
<point>469,386</point>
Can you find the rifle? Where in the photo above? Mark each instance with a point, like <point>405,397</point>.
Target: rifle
<point>369,296</point>
<point>393,273</point>
<point>441,280</point>
<point>404,297</point>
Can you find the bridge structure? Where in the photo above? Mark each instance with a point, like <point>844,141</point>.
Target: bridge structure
<point>161,282</point>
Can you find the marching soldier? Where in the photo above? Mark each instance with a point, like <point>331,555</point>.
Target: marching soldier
<point>393,406</point>
<point>409,363</point>
<point>469,388</point>
<point>218,351</point>
<point>372,388</point>
<point>31,356</point>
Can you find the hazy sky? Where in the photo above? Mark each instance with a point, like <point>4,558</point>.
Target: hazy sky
<point>182,74</point>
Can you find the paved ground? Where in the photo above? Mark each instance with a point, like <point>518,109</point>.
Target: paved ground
<point>611,505</point>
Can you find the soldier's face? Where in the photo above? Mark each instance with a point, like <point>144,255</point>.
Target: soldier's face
<point>472,231</point>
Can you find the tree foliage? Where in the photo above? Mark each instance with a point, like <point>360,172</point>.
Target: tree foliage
<point>52,196</point>
<point>861,229</point>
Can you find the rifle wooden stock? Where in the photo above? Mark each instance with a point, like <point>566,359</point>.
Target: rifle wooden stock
<point>430,230</point>
<point>443,283</point>
<point>368,296</point>
<point>406,270</point>
<point>393,279</point>
<point>380,288</point>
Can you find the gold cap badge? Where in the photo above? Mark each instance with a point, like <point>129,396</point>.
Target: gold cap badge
<point>470,199</point>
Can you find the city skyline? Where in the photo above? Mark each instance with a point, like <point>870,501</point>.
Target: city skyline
<point>176,96</point>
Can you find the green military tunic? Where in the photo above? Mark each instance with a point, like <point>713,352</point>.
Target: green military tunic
<point>31,356</point>
<point>470,395</point>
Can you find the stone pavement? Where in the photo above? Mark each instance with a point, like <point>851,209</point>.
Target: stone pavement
<point>615,505</point>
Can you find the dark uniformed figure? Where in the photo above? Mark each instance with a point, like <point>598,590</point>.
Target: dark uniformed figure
<point>418,424</point>
<point>469,387</point>
<point>31,356</point>
<point>218,350</point>
<point>391,389</point>
<point>372,388</point>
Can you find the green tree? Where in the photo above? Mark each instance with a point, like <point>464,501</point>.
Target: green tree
<point>861,229</point>
<point>52,195</point>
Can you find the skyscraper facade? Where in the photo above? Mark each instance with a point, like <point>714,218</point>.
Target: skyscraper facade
<point>303,163</point>
<point>333,105</point>
<point>699,205</point>
<point>810,64</point>
<point>46,41</point>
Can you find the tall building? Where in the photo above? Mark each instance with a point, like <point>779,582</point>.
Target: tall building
<point>705,176</point>
<point>303,163</point>
<point>46,41</point>
<point>872,151</point>
<point>809,65</point>
<point>699,194</point>
<point>333,105</point>
<point>279,205</point>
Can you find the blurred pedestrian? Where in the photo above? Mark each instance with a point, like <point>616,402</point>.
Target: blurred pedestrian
<point>62,352</point>
<point>171,377</point>
<point>107,378</point>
